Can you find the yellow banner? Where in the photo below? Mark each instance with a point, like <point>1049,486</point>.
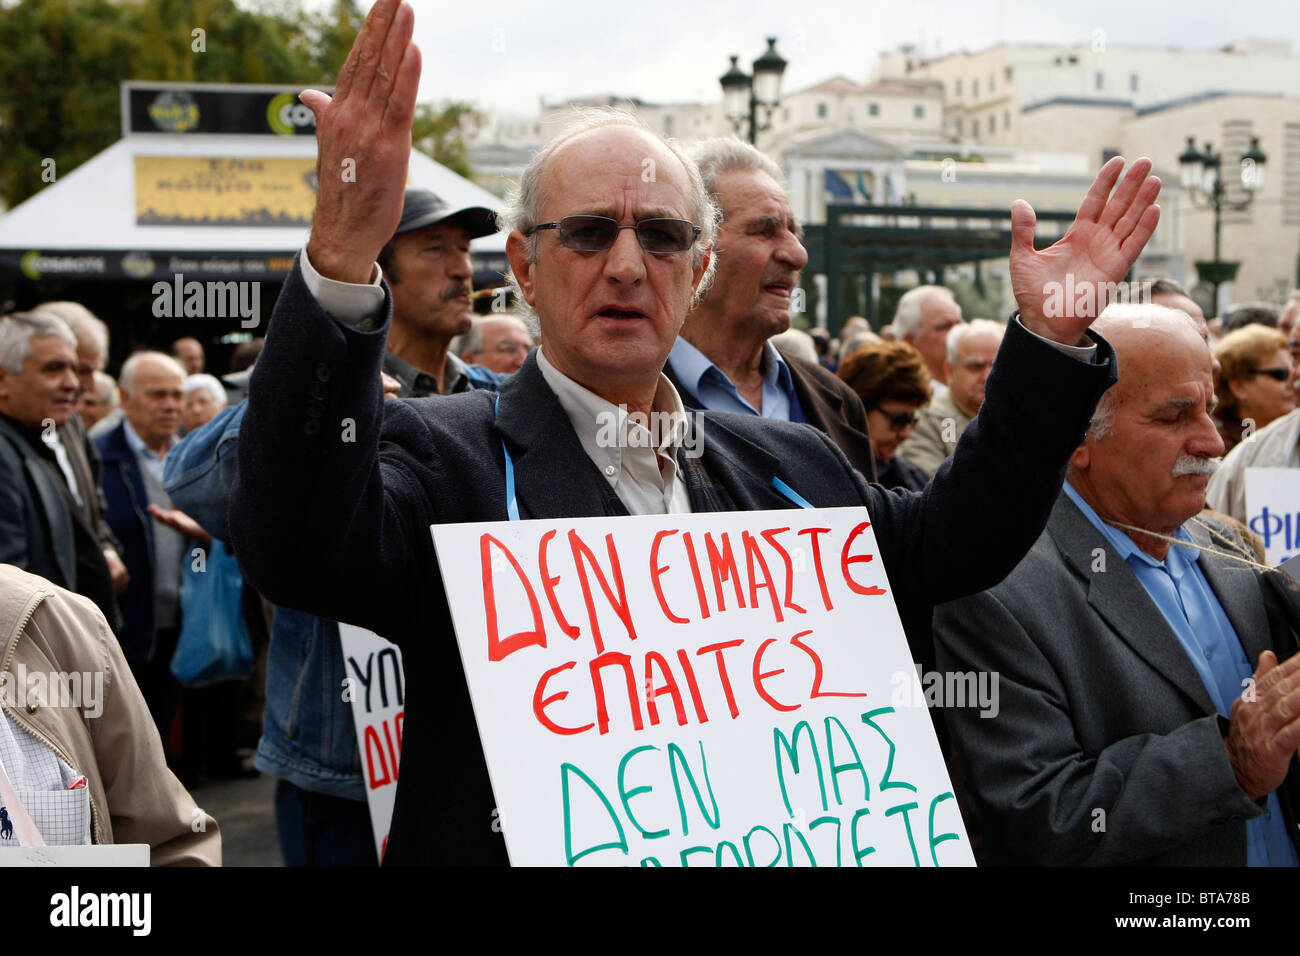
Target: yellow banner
<point>224,191</point>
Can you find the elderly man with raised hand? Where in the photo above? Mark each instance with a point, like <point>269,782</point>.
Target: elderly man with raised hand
<point>611,260</point>
<point>1123,648</point>
<point>723,359</point>
<point>971,349</point>
<point>924,317</point>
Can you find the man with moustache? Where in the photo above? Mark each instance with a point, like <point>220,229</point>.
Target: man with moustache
<point>722,359</point>
<point>1123,649</point>
<point>427,265</point>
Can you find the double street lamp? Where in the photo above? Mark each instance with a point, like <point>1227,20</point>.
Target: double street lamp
<point>1204,183</point>
<point>742,94</point>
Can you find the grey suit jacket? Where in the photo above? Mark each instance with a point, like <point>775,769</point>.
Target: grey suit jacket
<point>1106,748</point>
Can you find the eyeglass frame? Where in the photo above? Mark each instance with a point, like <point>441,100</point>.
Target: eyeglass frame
<point>558,225</point>
<point>896,422</point>
<point>1277,374</point>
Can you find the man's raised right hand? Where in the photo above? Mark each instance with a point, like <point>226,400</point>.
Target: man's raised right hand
<point>363,144</point>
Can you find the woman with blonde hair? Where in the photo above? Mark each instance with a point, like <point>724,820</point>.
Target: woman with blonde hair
<point>1253,383</point>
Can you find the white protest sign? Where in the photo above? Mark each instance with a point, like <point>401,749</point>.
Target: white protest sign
<point>376,688</point>
<point>114,854</point>
<point>1273,511</point>
<point>710,689</point>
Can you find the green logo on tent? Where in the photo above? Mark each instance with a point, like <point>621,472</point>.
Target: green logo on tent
<point>273,113</point>
<point>285,115</point>
<point>28,264</point>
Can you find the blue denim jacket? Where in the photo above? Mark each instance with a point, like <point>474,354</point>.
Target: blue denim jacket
<point>308,737</point>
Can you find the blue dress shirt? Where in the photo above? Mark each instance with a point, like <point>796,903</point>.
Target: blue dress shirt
<point>709,388</point>
<point>1194,614</point>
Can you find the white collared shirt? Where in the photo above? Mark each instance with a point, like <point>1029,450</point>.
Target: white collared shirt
<point>55,444</point>
<point>643,473</point>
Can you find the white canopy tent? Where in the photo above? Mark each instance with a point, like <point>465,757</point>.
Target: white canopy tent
<point>87,223</point>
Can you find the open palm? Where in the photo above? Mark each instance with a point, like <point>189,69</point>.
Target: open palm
<point>363,140</point>
<point>1099,248</point>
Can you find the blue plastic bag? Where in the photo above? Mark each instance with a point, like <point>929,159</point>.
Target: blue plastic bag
<point>214,644</point>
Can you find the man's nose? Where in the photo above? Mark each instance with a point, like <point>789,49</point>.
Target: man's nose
<point>625,260</point>
<point>1207,440</point>
<point>459,265</point>
<point>792,252</point>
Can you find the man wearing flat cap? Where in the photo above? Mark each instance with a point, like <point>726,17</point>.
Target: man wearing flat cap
<point>427,265</point>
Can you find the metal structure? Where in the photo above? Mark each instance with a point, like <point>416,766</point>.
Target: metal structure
<point>1205,187</point>
<point>743,94</point>
<point>865,240</point>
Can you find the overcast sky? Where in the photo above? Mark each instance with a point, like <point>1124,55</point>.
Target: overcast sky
<point>504,54</point>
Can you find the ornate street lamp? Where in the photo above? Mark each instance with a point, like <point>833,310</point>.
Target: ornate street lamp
<point>1201,174</point>
<point>742,94</point>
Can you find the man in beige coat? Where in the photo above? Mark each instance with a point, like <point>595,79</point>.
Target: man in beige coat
<point>95,725</point>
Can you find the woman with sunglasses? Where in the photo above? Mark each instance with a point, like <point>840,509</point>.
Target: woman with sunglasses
<point>893,382</point>
<point>1253,384</point>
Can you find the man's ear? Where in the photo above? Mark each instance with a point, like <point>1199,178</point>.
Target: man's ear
<point>1081,458</point>
<point>701,268</point>
<point>517,253</point>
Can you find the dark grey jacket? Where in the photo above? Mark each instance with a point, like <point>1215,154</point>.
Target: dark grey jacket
<point>341,528</point>
<point>42,530</point>
<point>1100,709</point>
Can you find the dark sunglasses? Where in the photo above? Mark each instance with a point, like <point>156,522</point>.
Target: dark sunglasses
<point>902,420</point>
<point>1281,374</point>
<point>661,237</point>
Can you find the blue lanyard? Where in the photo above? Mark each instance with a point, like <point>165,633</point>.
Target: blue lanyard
<point>512,502</point>
<point>790,493</point>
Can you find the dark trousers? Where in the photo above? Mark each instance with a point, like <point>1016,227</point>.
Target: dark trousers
<point>161,690</point>
<point>317,829</point>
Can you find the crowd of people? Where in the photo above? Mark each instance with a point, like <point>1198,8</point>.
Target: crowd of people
<point>1122,617</point>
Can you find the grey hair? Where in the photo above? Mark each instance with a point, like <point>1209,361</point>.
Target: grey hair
<point>959,333</point>
<point>82,322</point>
<point>106,389</point>
<point>907,317</point>
<point>524,202</point>
<point>1103,416</point>
<point>19,328</point>
<point>126,380</point>
<point>724,154</point>
<point>472,341</point>
<point>209,383</point>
